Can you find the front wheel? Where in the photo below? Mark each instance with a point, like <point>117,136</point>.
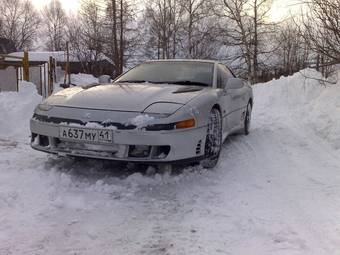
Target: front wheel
<point>213,143</point>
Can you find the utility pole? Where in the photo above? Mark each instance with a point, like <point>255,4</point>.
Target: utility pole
<point>68,63</point>
<point>67,66</point>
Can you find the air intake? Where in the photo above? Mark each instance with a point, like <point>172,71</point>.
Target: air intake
<point>199,147</point>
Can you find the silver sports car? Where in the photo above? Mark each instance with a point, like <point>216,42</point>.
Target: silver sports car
<point>163,111</point>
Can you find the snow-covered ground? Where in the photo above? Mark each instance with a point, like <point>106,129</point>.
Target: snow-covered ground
<point>276,191</point>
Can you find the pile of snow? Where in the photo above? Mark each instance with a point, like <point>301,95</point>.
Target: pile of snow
<point>80,79</point>
<point>309,103</point>
<point>83,79</point>
<point>16,110</point>
<point>141,120</point>
<point>304,99</point>
<point>275,191</point>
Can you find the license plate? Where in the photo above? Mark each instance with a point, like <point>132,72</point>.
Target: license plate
<point>86,135</point>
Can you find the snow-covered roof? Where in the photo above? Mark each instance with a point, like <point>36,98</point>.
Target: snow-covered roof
<point>43,56</point>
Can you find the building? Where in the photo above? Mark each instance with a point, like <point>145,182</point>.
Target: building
<point>78,64</point>
<point>47,68</point>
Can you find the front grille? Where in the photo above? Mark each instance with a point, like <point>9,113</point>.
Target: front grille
<point>56,120</point>
<point>160,127</point>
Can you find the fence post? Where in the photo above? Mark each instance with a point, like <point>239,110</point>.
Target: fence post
<point>41,81</point>
<point>17,73</point>
<point>26,67</point>
<point>45,79</point>
<point>50,76</point>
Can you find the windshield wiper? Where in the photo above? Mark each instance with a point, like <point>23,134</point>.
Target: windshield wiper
<point>136,81</point>
<point>197,83</point>
<point>133,81</point>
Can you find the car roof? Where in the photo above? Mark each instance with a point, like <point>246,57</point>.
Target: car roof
<point>183,60</point>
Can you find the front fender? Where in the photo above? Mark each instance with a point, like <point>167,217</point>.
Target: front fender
<point>201,107</point>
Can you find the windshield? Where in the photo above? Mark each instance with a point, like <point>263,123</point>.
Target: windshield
<point>176,72</point>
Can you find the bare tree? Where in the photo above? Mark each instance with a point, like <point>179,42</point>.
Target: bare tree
<point>293,50</point>
<point>120,35</point>
<point>205,43</point>
<point>195,12</point>
<point>245,27</point>
<point>19,22</point>
<point>322,26</point>
<point>164,21</point>
<point>86,35</point>
<point>55,21</point>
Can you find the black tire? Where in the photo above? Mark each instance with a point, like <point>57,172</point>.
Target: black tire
<point>247,119</point>
<point>213,143</point>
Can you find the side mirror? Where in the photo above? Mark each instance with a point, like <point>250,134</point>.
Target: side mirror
<point>103,79</point>
<point>234,83</point>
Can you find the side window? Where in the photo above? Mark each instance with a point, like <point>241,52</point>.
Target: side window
<point>220,84</point>
<point>228,74</point>
<point>223,74</point>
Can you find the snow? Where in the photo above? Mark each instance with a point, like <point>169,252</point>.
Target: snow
<point>305,100</point>
<point>141,120</point>
<point>16,109</point>
<point>80,79</point>
<point>83,79</point>
<point>275,191</point>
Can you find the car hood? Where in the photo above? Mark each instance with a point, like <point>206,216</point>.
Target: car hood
<point>123,97</point>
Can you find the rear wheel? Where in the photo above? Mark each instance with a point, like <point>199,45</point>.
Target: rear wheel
<point>213,143</point>
<point>247,119</point>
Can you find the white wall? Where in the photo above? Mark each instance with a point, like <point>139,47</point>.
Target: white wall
<point>8,79</point>
<point>35,77</point>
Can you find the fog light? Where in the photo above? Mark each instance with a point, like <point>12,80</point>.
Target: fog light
<point>160,152</point>
<point>139,151</point>
<point>43,141</point>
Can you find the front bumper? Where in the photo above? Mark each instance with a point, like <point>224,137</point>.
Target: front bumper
<point>164,146</point>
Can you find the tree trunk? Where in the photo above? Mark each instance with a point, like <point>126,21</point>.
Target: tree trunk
<point>255,55</point>
<point>190,30</point>
<point>121,59</point>
<point>115,42</point>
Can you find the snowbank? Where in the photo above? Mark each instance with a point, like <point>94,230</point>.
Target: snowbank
<point>83,79</point>
<point>306,101</point>
<point>16,108</point>
<point>275,191</point>
<point>80,79</point>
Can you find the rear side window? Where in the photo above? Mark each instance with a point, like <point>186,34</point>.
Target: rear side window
<point>223,74</point>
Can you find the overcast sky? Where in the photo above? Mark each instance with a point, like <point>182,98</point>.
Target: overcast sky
<point>280,10</point>
<point>69,5</point>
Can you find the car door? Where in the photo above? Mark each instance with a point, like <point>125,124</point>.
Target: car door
<point>238,96</point>
<point>226,100</point>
